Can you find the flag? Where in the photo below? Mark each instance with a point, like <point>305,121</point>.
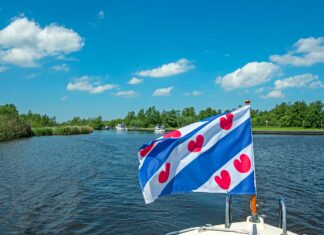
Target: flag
<point>214,155</point>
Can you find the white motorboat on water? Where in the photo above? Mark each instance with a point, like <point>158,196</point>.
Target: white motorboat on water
<point>159,129</point>
<point>121,127</point>
<point>253,225</point>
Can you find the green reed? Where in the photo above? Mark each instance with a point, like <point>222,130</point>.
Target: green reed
<point>61,130</point>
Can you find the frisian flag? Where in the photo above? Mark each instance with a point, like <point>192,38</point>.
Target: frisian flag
<point>214,155</point>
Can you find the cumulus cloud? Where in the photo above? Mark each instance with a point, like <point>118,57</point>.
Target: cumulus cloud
<point>299,81</point>
<point>181,66</point>
<point>163,91</point>
<point>135,81</point>
<point>101,14</point>
<point>61,67</point>
<point>305,80</point>
<point>128,94</point>
<point>194,93</point>
<point>24,42</point>
<point>305,52</point>
<point>260,90</point>
<point>274,94</point>
<point>251,74</point>
<point>89,84</point>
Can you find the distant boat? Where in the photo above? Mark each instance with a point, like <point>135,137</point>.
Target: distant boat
<point>107,128</point>
<point>121,127</point>
<point>159,129</point>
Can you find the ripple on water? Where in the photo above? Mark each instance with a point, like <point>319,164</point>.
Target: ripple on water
<point>88,184</point>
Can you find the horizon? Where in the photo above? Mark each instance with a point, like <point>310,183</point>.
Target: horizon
<point>109,58</point>
<point>160,111</point>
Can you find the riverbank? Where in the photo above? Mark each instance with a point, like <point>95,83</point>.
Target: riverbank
<point>61,130</point>
<point>44,131</point>
<point>263,130</point>
<point>287,131</point>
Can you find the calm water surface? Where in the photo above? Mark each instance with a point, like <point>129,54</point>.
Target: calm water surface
<point>88,185</point>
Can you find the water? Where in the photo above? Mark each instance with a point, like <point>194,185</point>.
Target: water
<point>88,184</point>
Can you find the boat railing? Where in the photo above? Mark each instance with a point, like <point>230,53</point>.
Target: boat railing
<point>228,211</point>
<point>283,216</point>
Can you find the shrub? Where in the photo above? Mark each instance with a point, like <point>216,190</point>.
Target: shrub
<point>11,124</point>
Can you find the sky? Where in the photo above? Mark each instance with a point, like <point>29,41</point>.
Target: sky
<point>90,58</point>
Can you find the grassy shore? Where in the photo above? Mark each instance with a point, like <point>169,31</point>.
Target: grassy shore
<point>264,130</point>
<point>285,129</point>
<point>254,129</point>
<point>61,130</point>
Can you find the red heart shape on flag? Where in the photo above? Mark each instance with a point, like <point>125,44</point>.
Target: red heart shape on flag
<point>172,134</point>
<point>164,175</point>
<point>224,180</point>
<point>244,164</point>
<point>143,152</point>
<point>227,121</point>
<point>196,146</point>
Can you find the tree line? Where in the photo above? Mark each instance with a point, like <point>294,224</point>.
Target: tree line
<point>297,114</point>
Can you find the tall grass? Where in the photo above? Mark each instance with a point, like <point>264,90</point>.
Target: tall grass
<point>61,130</point>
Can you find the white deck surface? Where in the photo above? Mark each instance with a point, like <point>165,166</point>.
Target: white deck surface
<point>245,227</point>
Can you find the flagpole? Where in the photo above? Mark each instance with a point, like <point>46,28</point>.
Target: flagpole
<point>253,199</point>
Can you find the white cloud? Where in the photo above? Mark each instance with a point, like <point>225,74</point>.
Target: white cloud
<point>23,42</point>
<point>274,94</point>
<point>90,85</point>
<point>135,81</point>
<point>163,91</point>
<point>32,75</point>
<point>3,68</point>
<point>316,84</point>
<point>299,81</point>
<point>63,98</point>
<point>101,14</point>
<point>128,94</point>
<point>61,67</point>
<point>260,90</point>
<point>305,52</point>
<point>181,66</point>
<point>194,93</point>
<point>251,74</point>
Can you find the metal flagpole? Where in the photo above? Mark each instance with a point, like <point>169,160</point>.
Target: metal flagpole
<point>253,199</point>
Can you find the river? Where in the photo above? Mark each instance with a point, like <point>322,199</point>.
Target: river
<point>88,184</point>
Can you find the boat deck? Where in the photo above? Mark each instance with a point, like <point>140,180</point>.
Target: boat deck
<point>245,227</point>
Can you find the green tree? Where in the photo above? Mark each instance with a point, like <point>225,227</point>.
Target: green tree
<point>11,124</point>
<point>141,118</point>
<point>96,123</point>
<point>130,118</point>
<point>152,116</point>
<point>208,112</point>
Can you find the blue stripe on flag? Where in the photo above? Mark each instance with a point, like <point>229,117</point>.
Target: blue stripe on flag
<point>245,186</point>
<point>160,153</point>
<point>203,167</point>
<point>157,157</point>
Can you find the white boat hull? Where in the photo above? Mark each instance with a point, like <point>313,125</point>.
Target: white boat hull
<point>245,227</point>
<point>159,131</point>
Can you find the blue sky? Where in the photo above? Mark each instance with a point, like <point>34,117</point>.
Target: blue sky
<point>78,58</point>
